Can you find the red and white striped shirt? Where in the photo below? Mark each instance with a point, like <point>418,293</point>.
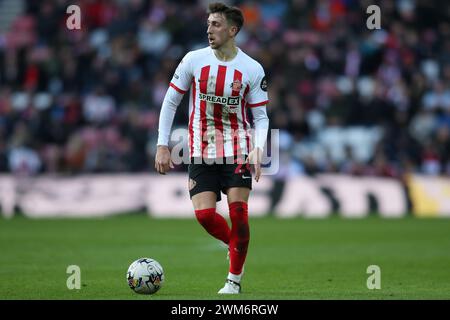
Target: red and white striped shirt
<point>220,93</point>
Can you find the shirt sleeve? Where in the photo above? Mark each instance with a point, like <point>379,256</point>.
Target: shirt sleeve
<point>169,107</point>
<point>182,77</point>
<point>261,121</point>
<point>257,95</point>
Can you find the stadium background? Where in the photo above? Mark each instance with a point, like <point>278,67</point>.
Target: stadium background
<point>355,108</point>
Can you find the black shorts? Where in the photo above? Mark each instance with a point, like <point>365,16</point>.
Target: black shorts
<point>217,177</point>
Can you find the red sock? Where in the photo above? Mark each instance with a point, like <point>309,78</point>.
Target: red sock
<point>240,235</point>
<point>214,223</point>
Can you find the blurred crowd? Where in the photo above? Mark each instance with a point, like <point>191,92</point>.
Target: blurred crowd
<point>345,98</point>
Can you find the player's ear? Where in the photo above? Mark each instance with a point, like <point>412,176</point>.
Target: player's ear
<point>233,31</point>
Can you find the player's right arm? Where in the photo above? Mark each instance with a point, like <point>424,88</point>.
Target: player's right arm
<point>179,85</point>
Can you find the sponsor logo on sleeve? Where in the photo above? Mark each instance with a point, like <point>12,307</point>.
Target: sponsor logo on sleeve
<point>263,84</point>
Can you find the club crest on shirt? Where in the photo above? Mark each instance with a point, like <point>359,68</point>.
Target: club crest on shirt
<point>236,85</point>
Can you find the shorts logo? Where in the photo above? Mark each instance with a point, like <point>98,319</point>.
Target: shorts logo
<point>192,184</point>
<point>229,101</point>
<point>236,85</point>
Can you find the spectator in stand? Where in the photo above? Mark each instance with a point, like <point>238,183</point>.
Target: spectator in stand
<point>88,100</point>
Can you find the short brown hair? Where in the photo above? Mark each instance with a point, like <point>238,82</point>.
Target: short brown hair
<point>233,15</point>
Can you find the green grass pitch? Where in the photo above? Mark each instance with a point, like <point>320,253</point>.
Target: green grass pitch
<point>288,259</point>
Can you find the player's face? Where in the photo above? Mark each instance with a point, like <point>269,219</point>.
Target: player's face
<point>219,31</point>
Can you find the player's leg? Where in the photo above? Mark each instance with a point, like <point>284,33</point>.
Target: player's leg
<point>236,183</point>
<point>205,211</point>
<point>204,190</point>
<point>239,238</point>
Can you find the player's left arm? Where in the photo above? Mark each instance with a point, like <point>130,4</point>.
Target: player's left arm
<point>257,101</point>
<point>261,125</point>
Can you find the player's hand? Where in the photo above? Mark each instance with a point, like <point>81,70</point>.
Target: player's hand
<point>163,163</point>
<point>255,158</point>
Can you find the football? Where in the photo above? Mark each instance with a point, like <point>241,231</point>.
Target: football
<point>145,276</point>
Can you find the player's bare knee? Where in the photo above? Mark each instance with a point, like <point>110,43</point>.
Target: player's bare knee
<point>238,195</point>
<point>204,200</point>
